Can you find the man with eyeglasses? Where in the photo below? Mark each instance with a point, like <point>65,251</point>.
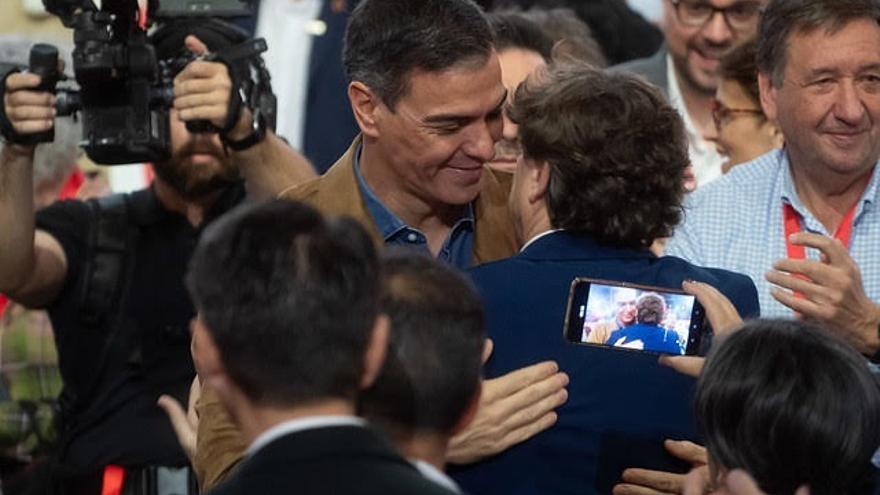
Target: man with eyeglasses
<point>803,221</point>
<point>698,34</point>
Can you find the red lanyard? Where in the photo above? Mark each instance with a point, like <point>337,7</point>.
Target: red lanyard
<point>792,224</point>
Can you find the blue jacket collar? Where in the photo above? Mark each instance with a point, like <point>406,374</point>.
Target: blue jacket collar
<point>563,245</point>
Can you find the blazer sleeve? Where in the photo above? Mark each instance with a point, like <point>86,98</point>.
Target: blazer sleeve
<point>219,445</point>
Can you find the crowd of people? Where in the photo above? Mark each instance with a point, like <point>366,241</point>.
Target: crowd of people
<point>264,320</point>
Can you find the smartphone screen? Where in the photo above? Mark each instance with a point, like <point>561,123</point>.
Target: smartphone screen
<point>634,317</point>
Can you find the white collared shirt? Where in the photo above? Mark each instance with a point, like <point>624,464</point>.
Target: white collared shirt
<point>435,475</point>
<point>703,154</point>
<point>297,425</point>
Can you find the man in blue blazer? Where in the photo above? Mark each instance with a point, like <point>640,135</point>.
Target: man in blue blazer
<point>601,178</point>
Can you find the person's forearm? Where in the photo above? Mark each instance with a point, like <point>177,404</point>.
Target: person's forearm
<point>16,216</point>
<point>272,166</point>
<point>872,333</point>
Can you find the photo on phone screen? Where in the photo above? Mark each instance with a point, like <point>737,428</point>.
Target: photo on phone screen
<point>634,317</point>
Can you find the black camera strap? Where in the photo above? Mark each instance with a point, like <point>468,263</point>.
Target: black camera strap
<point>250,87</point>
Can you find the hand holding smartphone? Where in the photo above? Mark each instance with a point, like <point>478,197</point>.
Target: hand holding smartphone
<point>634,317</point>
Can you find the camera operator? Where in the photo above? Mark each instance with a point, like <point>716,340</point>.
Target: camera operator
<point>110,272</point>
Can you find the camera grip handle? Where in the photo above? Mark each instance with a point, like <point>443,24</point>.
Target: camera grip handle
<point>44,63</point>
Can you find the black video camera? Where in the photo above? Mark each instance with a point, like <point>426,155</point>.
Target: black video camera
<point>125,93</point>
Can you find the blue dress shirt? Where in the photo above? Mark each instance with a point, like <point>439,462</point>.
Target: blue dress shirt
<point>457,249</point>
<point>736,223</point>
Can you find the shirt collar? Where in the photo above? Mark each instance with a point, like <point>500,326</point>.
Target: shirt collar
<point>789,192</point>
<point>535,238</point>
<point>437,476</point>
<point>387,222</point>
<point>297,425</point>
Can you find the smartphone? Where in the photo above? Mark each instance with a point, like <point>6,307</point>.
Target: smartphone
<point>634,317</point>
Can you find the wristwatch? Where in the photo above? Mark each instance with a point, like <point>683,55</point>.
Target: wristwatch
<point>258,133</point>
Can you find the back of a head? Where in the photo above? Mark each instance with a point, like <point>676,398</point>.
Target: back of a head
<point>783,18</point>
<point>433,366</point>
<point>512,30</point>
<point>792,405</point>
<point>387,39</point>
<point>617,152</point>
<point>289,298</point>
<point>650,309</point>
<point>740,66</point>
<point>573,40</point>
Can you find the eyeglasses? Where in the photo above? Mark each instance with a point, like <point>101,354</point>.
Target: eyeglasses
<point>740,17</point>
<point>721,114</point>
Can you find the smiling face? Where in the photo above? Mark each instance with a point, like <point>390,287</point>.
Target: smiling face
<point>828,103</point>
<point>435,142</point>
<point>697,50</point>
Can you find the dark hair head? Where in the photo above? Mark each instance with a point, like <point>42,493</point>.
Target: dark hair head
<point>650,309</point>
<point>740,67</point>
<point>782,18</point>
<point>792,405</point>
<point>616,149</point>
<point>290,299</point>
<point>432,370</point>
<point>512,30</point>
<point>387,39</point>
<point>573,40</point>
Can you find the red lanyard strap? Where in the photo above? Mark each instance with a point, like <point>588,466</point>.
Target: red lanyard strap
<point>792,224</point>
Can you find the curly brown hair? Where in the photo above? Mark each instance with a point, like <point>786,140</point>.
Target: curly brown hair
<point>617,152</point>
<point>650,309</point>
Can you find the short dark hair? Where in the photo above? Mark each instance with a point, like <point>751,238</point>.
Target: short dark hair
<point>387,39</point>
<point>650,309</point>
<point>617,152</point>
<point>432,370</point>
<point>513,30</point>
<point>782,18</point>
<point>290,299</point>
<point>741,67</point>
<point>793,405</point>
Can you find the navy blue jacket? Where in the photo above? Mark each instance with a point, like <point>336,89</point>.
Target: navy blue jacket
<point>621,404</point>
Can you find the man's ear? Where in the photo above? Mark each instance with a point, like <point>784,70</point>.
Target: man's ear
<point>539,180</point>
<point>364,104</point>
<point>470,412</point>
<point>206,357</point>
<point>776,134</point>
<point>768,96</point>
<point>377,348</point>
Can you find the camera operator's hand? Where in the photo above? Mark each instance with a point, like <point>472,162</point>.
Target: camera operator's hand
<point>28,111</point>
<point>203,90</point>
